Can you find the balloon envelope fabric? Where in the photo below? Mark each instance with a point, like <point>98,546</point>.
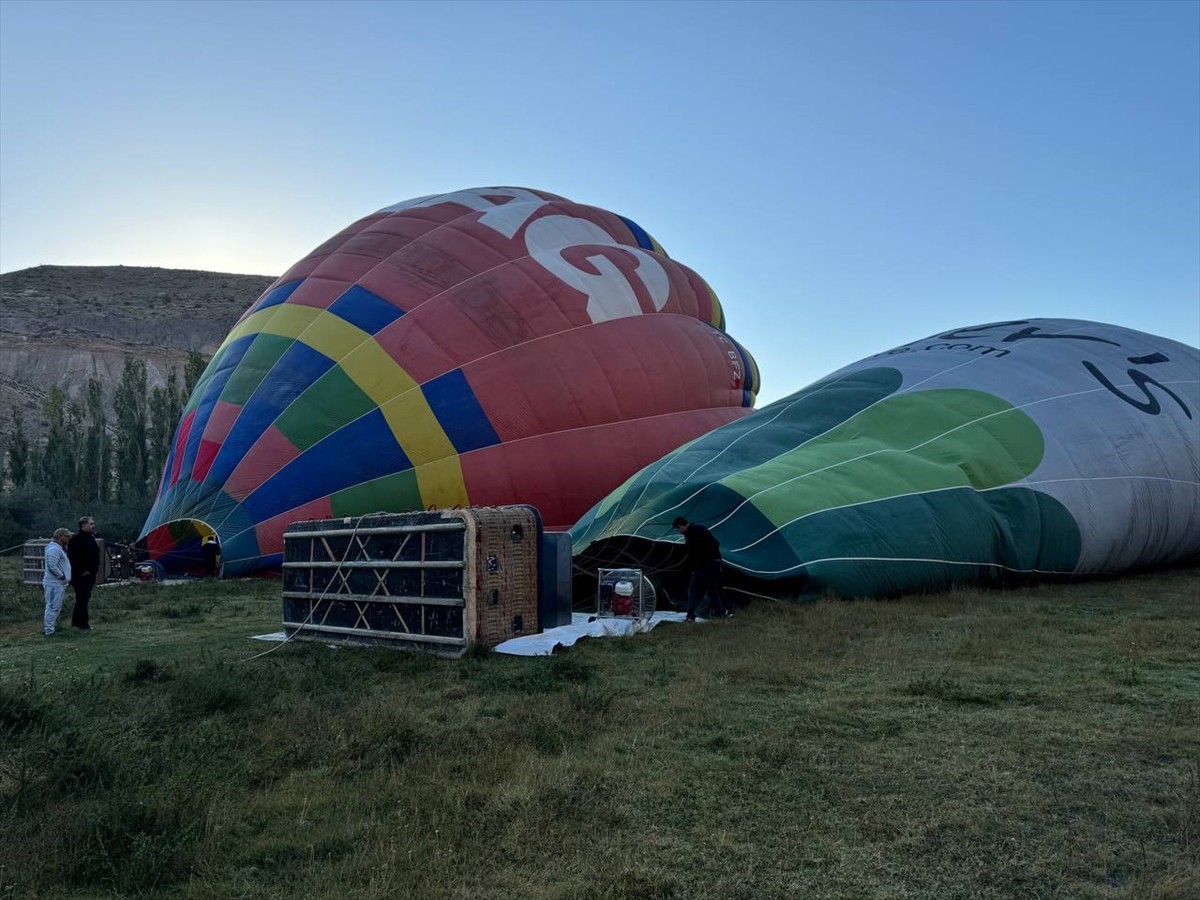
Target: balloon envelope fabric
<point>489,346</point>
<point>1030,448</point>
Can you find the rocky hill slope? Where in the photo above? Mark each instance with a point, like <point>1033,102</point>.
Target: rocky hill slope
<point>64,324</point>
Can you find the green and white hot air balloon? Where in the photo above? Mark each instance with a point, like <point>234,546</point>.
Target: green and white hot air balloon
<point>983,455</point>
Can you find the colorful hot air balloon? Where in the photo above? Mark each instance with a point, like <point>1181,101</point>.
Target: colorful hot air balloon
<point>1039,447</point>
<point>490,346</point>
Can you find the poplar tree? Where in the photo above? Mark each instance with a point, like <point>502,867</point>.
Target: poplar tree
<point>196,364</point>
<point>57,470</point>
<point>75,439</point>
<point>165,407</point>
<point>129,403</point>
<point>18,450</point>
<point>95,464</point>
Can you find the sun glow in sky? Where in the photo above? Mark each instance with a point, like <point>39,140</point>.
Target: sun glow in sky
<point>847,176</point>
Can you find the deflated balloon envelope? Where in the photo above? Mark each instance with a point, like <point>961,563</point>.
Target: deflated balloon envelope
<point>1039,447</point>
<point>490,346</point>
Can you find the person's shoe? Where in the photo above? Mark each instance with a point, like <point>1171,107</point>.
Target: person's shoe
<point>691,617</point>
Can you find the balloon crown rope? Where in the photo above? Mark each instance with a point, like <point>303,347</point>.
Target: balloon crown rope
<point>315,606</point>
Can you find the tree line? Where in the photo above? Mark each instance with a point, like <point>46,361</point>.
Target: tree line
<point>94,457</point>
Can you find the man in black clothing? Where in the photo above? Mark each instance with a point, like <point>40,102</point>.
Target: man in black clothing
<point>210,551</point>
<point>704,562</point>
<point>84,555</point>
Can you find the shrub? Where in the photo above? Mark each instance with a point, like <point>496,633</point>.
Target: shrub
<point>145,670</point>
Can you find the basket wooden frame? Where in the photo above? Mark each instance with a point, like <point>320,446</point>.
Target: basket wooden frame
<point>365,559</point>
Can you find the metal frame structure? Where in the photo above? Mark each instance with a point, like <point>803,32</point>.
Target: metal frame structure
<point>436,581</point>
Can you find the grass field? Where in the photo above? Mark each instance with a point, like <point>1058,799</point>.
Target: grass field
<point>1036,743</point>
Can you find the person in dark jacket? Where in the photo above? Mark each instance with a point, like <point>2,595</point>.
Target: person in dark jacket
<point>84,554</point>
<point>704,562</point>
<point>210,552</point>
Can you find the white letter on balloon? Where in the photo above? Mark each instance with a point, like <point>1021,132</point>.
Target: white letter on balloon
<point>610,295</point>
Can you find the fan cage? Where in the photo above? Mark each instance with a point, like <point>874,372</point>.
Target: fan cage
<point>611,601</point>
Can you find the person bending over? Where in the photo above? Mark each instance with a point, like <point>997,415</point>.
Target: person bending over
<point>704,563</point>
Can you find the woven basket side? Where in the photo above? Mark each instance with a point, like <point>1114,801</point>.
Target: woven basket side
<point>506,573</point>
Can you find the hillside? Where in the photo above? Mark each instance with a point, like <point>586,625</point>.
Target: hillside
<point>64,324</point>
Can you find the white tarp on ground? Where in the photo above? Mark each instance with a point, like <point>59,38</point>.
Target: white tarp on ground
<point>582,625</point>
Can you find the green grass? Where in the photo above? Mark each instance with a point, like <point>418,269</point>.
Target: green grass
<point>1036,743</point>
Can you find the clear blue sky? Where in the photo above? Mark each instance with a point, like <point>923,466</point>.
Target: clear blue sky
<point>847,176</point>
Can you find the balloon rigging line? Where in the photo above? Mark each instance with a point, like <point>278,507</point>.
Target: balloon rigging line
<point>313,608</point>
<point>896,559</point>
<point>960,487</point>
<point>749,593</point>
<point>1089,478</point>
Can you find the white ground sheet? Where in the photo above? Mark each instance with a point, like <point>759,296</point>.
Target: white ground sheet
<point>582,625</point>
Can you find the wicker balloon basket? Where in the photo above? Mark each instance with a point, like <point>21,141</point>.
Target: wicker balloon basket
<point>441,581</point>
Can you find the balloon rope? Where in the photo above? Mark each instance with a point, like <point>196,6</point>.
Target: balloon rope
<point>316,603</point>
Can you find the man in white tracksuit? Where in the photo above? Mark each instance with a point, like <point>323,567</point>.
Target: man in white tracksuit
<point>56,578</point>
